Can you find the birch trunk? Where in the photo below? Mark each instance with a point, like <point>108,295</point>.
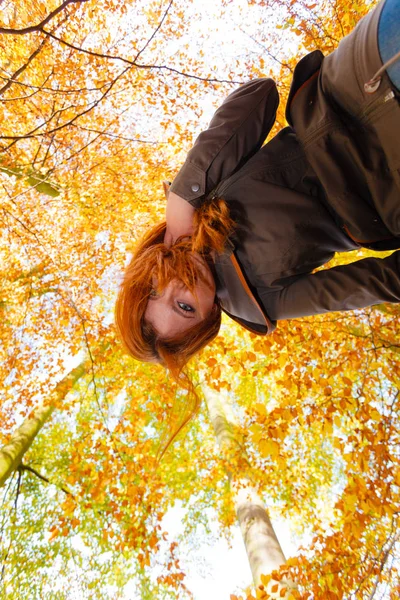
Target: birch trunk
<point>11,454</point>
<point>262,545</point>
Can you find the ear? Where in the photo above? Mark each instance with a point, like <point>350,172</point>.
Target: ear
<point>166,186</point>
<point>217,305</point>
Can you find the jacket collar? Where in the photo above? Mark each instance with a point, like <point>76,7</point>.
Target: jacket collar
<point>306,69</point>
<point>236,297</point>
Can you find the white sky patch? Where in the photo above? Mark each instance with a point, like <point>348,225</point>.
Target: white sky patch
<point>214,568</point>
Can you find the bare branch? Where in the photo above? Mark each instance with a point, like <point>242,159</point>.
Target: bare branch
<point>133,63</point>
<point>40,25</point>
<point>268,52</point>
<point>116,136</point>
<point>157,29</point>
<point>43,88</point>
<point>7,212</point>
<point>23,467</point>
<point>17,492</point>
<point>32,133</point>
<point>384,557</point>
<point>22,69</point>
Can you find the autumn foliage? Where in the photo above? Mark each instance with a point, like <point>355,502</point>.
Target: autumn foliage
<point>100,102</point>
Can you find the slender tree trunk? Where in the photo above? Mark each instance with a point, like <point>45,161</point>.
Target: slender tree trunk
<point>262,546</point>
<point>12,453</point>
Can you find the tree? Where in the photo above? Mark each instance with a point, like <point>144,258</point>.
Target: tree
<point>262,545</point>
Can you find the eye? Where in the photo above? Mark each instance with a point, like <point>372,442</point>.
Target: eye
<point>186,307</point>
<point>153,293</point>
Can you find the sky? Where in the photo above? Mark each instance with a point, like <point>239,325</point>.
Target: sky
<point>214,568</point>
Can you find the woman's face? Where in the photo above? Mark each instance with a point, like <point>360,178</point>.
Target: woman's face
<point>176,308</point>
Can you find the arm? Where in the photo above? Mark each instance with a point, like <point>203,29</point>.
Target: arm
<point>179,217</point>
<point>357,285</point>
<point>236,131</point>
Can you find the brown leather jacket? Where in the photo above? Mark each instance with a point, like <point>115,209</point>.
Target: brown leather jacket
<point>329,183</point>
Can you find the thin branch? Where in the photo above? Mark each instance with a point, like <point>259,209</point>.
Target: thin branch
<point>96,395</point>
<point>23,467</point>
<point>43,88</point>
<point>33,55</point>
<point>383,560</point>
<point>52,138</point>
<point>133,63</point>
<point>7,552</point>
<point>157,29</point>
<point>99,135</point>
<point>17,492</point>
<point>16,98</point>
<point>114,135</point>
<point>335,10</point>
<point>31,134</point>
<point>22,69</point>
<point>7,212</point>
<point>40,25</point>
<point>268,52</point>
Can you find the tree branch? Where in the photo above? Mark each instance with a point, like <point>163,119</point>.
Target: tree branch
<point>32,133</point>
<point>13,78</point>
<point>382,562</point>
<point>43,88</point>
<point>17,492</point>
<point>133,63</point>
<point>114,135</point>
<point>268,52</point>
<point>23,467</point>
<point>40,25</point>
<point>22,69</point>
<point>157,29</point>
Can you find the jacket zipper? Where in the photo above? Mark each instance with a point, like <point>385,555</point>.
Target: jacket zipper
<point>374,106</point>
<point>362,116</point>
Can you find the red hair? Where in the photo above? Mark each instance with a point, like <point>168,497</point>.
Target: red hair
<point>153,259</point>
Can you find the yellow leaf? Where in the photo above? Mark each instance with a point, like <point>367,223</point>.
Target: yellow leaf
<point>268,448</point>
<point>261,409</point>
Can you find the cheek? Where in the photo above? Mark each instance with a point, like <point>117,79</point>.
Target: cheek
<point>152,313</point>
<point>147,312</point>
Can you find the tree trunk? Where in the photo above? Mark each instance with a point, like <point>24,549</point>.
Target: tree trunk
<point>262,546</point>
<point>12,453</point>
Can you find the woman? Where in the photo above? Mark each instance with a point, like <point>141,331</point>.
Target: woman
<point>247,225</point>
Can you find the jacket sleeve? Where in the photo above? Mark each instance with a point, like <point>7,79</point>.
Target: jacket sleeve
<point>236,131</point>
<point>357,285</point>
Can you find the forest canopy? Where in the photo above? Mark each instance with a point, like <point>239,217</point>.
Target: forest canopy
<point>100,101</point>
